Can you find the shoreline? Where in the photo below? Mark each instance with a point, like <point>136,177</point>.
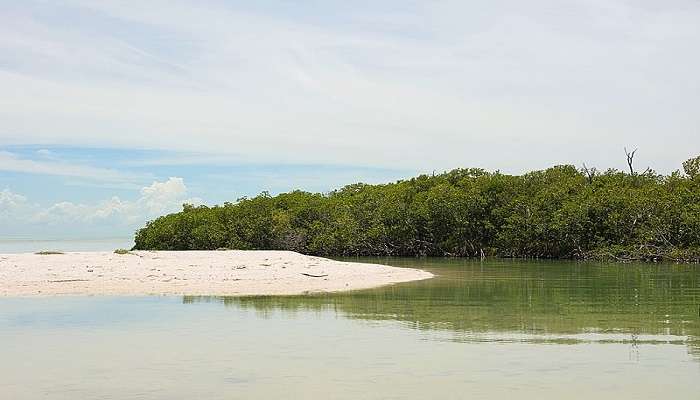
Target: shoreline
<point>196,273</point>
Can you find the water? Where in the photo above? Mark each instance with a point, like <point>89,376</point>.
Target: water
<point>528,330</point>
<point>29,245</point>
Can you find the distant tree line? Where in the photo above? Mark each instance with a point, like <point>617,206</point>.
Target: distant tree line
<point>560,212</point>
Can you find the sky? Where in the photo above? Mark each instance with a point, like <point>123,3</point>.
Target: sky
<point>115,112</point>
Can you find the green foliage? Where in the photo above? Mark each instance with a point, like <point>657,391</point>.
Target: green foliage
<point>560,212</point>
<point>122,251</point>
<point>692,167</point>
<point>48,252</point>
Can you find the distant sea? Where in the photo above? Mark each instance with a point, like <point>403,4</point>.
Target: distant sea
<point>26,245</point>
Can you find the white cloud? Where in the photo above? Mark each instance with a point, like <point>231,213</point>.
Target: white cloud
<point>62,211</point>
<point>156,199</point>
<point>501,84</point>
<point>108,218</point>
<point>160,196</point>
<point>11,162</point>
<point>46,153</point>
<point>10,202</point>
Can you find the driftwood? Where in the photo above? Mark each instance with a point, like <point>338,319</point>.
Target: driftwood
<point>70,280</point>
<point>314,276</point>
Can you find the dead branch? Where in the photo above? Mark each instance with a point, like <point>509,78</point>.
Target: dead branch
<point>630,159</point>
<point>590,173</point>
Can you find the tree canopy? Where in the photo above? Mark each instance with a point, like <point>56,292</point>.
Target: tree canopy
<point>560,212</point>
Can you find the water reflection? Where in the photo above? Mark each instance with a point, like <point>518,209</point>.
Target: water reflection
<point>516,301</point>
<point>489,330</point>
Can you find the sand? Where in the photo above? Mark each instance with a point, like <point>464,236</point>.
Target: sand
<point>215,273</point>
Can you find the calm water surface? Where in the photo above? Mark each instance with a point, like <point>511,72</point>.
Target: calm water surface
<point>30,245</point>
<point>480,330</point>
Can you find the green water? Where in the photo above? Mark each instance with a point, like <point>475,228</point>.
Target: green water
<point>488,330</point>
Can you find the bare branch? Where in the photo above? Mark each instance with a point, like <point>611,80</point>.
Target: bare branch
<point>630,159</point>
<point>590,173</point>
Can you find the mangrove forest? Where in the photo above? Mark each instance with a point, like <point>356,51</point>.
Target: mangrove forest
<point>559,212</point>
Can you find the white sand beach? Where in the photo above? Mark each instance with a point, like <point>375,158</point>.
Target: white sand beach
<point>216,273</point>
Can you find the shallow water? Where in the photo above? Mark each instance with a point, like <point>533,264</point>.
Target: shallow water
<point>529,330</point>
<point>29,245</point>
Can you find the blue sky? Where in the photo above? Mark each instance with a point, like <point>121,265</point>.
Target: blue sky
<point>123,172</point>
<point>113,112</point>
<point>85,182</point>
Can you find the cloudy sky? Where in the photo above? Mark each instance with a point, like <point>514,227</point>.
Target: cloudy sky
<point>113,112</point>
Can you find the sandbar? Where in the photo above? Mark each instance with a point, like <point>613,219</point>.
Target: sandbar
<point>213,273</point>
